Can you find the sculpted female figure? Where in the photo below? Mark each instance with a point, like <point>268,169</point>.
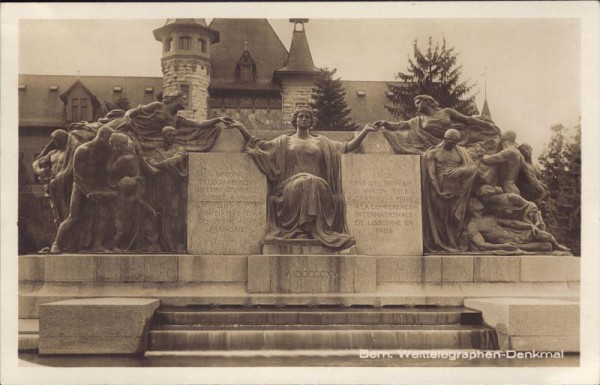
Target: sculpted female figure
<point>416,135</point>
<point>305,190</point>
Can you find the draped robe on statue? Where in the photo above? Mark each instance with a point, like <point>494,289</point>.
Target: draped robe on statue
<point>445,218</point>
<point>168,190</point>
<point>416,135</point>
<point>304,189</point>
<point>145,123</point>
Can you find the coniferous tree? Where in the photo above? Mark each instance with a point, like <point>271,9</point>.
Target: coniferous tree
<point>561,172</point>
<point>329,105</point>
<point>435,72</point>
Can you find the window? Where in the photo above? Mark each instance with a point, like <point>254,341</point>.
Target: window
<point>246,68</point>
<point>246,73</point>
<point>202,45</point>
<point>168,45</point>
<point>185,43</point>
<point>79,109</point>
<point>83,109</point>
<point>185,88</point>
<point>75,110</point>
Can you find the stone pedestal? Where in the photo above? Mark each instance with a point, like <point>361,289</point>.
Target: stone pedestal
<point>95,326</point>
<point>383,203</point>
<point>527,324</point>
<point>302,247</point>
<point>311,274</point>
<point>226,205</point>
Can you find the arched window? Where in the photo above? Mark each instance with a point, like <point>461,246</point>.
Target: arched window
<point>246,68</point>
<point>185,43</point>
<point>202,45</point>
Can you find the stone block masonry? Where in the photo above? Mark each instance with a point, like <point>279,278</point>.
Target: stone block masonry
<point>294,94</point>
<point>96,326</point>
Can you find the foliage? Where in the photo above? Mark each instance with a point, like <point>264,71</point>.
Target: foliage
<point>329,105</point>
<point>561,172</point>
<point>120,103</point>
<point>435,72</point>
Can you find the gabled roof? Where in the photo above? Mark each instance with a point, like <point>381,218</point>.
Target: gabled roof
<point>369,107</point>
<point>39,106</point>
<point>77,83</point>
<point>264,46</point>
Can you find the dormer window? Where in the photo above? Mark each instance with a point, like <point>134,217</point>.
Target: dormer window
<point>202,45</point>
<point>22,87</point>
<point>168,45</point>
<point>361,93</point>
<point>79,109</point>
<point>185,43</point>
<point>53,88</point>
<point>246,68</point>
<point>117,89</point>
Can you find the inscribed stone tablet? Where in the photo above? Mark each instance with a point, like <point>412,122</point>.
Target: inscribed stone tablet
<point>226,204</point>
<point>383,203</point>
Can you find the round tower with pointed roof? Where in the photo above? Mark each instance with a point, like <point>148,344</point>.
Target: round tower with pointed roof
<point>186,64</point>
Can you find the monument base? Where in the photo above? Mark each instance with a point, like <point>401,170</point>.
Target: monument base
<point>311,274</point>
<point>302,247</point>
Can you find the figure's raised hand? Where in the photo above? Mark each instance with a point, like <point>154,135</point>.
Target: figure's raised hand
<point>368,128</point>
<point>382,124</point>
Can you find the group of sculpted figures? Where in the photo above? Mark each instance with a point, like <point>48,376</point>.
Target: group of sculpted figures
<point>120,183</point>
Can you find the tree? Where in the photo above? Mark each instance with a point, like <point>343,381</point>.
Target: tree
<point>435,73</point>
<point>329,104</point>
<point>120,103</point>
<point>561,172</point>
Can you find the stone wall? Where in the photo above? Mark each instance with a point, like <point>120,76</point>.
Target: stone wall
<point>253,119</point>
<point>294,94</point>
<point>196,75</point>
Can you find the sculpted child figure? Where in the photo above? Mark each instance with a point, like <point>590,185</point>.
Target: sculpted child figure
<point>128,214</point>
<point>305,190</point>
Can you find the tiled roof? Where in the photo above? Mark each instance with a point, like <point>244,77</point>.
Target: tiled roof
<point>369,106</point>
<point>299,58</point>
<point>39,106</point>
<point>264,46</point>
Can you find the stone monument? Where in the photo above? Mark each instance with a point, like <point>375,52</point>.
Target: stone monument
<point>398,214</point>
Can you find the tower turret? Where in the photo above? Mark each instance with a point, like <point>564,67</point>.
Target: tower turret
<point>186,64</point>
<point>299,73</point>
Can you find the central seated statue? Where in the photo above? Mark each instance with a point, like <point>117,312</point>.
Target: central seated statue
<point>305,190</point>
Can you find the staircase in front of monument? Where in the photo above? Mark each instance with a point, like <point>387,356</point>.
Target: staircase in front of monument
<point>322,328</point>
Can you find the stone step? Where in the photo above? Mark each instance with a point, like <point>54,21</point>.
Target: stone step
<point>318,316</point>
<point>333,337</point>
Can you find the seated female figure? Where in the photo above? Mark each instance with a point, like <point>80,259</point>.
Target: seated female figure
<point>305,190</point>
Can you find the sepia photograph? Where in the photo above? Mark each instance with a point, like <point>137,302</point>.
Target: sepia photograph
<point>300,192</point>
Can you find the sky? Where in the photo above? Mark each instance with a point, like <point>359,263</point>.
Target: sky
<point>531,66</point>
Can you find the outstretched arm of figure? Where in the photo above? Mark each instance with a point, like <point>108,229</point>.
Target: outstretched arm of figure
<point>354,143</point>
<point>245,134</point>
<point>392,126</point>
<point>470,120</point>
<point>181,121</point>
<point>518,225</point>
<point>499,157</point>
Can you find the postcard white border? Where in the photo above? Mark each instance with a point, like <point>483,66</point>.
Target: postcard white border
<point>588,372</point>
